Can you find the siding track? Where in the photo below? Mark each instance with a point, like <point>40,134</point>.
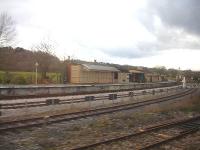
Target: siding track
<point>187,126</point>
<point>88,113</point>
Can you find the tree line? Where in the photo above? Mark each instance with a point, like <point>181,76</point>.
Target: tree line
<point>19,59</point>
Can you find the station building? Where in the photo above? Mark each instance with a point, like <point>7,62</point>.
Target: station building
<point>136,76</point>
<point>154,77</point>
<point>123,77</point>
<point>91,74</point>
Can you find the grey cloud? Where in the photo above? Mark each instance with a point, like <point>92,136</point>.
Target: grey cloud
<point>176,39</point>
<point>137,52</point>
<point>124,52</point>
<point>171,40</point>
<point>179,27</point>
<point>18,9</point>
<point>178,13</point>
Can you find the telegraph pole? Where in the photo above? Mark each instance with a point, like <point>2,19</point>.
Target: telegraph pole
<point>36,70</point>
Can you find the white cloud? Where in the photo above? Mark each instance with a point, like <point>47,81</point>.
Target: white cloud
<point>105,30</point>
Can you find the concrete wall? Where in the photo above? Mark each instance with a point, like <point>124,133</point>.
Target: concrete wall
<point>36,91</point>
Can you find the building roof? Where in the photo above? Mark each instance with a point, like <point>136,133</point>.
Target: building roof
<point>135,71</point>
<point>153,74</point>
<point>100,68</point>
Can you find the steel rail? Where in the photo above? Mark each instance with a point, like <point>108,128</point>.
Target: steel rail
<point>176,137</point>
<point>83,114</point>
<point>68,101</point>
<point>145,131</point>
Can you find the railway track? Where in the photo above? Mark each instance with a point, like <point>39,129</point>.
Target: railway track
<point>87,113</point>
<point>159,135</point>
<point>41,103</point>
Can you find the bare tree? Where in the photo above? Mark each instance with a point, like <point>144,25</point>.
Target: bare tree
<point>7,29</point>
<point>161,70</point>
<point>43,55</point>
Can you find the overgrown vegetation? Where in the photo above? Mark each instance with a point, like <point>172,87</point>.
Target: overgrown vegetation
<point>27,78</point>
<point>193,107</point>
<point>17,66</point>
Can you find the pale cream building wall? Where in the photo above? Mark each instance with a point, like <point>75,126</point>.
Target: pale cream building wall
<point>80,75</point>
<point>75,73</point>
<point>153,78</point>
<point>123,77</point>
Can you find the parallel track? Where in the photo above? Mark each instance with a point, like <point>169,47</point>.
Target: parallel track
<point>189,126</point>
<point>69,101</point>
<point>87,113</point>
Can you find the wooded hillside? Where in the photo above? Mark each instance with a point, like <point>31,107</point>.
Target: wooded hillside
<point>19,59</point>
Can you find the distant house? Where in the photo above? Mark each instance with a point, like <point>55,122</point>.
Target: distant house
<point>91,73</point>
<point>136,76</point>
<point>123,77</point>
<point>154,77</point>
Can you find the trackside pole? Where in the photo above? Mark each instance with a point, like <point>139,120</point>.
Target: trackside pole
<point>184,82</point>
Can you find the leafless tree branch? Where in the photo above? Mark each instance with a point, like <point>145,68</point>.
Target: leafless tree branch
<point>7,29</point>
<point>43,53</point>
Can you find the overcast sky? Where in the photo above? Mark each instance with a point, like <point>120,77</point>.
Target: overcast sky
<point>136,32</point>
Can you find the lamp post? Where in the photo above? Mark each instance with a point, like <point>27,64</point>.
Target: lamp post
<point>36,70</point>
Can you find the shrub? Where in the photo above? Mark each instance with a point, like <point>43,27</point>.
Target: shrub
<point>7,77</point>
<point>18,80</point>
